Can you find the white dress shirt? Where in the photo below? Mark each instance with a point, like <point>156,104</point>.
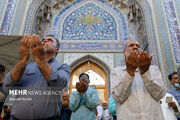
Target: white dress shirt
<point>137,97</point>
<point>168,112</point>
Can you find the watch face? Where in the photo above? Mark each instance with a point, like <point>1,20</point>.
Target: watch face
<point>169,99</point>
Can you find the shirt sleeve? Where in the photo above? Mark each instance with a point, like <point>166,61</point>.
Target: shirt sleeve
<point>154,82</point>
<point>74,101</point>
<point>91,98</point>
<point>121,83</point>
<point>8,83</point>
<point>59,76</point>
<point>112,106</point>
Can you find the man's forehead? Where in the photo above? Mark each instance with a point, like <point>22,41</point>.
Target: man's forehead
<point>175,75</point>
<point>132,42</point>
<point>65,94</point>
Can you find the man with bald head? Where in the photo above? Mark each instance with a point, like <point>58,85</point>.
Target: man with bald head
<point>138,86</point>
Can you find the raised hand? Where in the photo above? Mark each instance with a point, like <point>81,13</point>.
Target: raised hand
<point>65,104</point>
<point>144,62</point>
<point>24,48</point>
<point>78,87</point>
<point>132,62</point>
<point>37,50</point>
<point>84,86</point>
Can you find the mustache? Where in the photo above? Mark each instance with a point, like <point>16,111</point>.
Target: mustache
<point>135,49</point>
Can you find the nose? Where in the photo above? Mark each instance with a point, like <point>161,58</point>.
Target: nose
<point>44,41</point>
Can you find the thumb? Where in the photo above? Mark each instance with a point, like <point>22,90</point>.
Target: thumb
<point>150,57</point>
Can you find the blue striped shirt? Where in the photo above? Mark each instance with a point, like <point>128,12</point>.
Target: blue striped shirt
<point>176,93</point>
<point>38,102</point>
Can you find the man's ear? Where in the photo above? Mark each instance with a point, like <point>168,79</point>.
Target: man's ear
<point>124,52</point>
<point>57,50</point>
<point>2,74</point>
<point>171,82</point>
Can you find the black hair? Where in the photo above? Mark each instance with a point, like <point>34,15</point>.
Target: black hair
<point>5,106</point>
<point>57,41</point>
<point>83,74</point>
<point>170,76</point>
<point>2,68</point>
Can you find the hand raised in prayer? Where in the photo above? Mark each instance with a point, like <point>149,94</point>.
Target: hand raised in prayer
<point>37,50</point>
<point>84,86</point>
<point>24,48</point>
<point>172,104</point>
<point>132,62</point>
<point>78,87</point>
<point>65,104</point>
<point>144,62</point>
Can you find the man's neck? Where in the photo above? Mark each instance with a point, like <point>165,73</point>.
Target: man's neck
<point>48,57</point>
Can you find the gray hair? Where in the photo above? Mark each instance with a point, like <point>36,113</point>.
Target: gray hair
<point>127,44</point>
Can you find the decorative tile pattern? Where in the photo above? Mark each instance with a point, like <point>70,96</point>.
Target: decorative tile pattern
<point>91,46</point>
<point>2,10</point>
<point>30,16</point>
<point>106,58</point>
<point>177,3</point>
<point>173,28</point>
<point>164,43</point>
<point>99,10</point>
<point>89,22</point>
<point>119,59</point>
<point>8,17</point>
<point>17,17</point>
<point>150,30</point>
<point>99,21</point>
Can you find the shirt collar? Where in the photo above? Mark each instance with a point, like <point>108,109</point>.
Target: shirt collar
<point>124,68</point>
<point>174,88</point>
<point>52,60</point>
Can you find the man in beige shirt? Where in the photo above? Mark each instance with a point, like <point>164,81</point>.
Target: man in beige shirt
<point>137,87</point>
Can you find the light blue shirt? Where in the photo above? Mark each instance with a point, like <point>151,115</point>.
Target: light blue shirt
<point>42,105</point>
<point>175,92</point>
<point>112,106</point>
<point>83,106</point>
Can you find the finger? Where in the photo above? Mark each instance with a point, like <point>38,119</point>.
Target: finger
<point>27,40</point>
<point>143,55</point>
<point>37,40</point>
<point>23,39</point>
<point>150,57</point>
<point>146,58</point>
<point>34,39</point>
<point>141,59</point>
<point>31,41</point>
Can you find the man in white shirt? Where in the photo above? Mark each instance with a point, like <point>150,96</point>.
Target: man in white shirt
<point>169,107</point>
<point>103,112</point>
<point>137,87</point>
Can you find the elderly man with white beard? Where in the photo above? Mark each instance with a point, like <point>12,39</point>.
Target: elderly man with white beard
<point>138,86</point>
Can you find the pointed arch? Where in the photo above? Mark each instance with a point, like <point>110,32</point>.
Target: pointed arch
<point>31,14</point>
<point>121,30</point>
<point>97,66</point>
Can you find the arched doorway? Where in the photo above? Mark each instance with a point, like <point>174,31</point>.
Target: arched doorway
<point>98,78</point>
